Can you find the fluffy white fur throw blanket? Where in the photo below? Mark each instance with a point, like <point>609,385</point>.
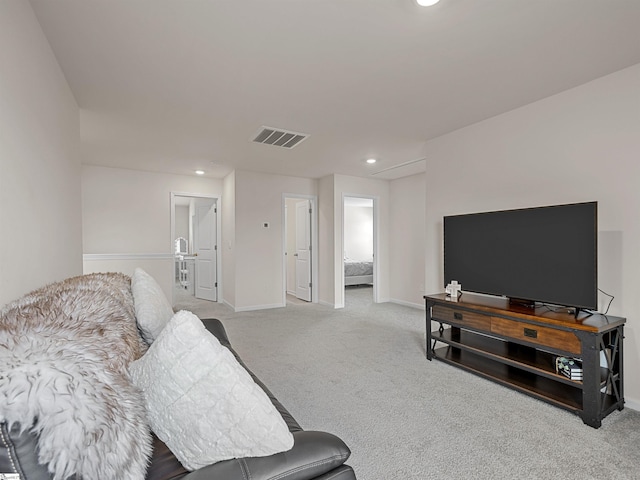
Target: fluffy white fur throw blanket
<point>64,352</point>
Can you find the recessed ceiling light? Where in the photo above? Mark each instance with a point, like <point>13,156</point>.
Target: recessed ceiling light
<point>371,161</point>
<point>426,3</point>
<point>199,172</point>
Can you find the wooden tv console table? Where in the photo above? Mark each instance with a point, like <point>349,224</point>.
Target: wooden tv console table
<point>517,347</point>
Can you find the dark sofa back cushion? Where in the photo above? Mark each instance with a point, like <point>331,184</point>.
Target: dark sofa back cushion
<point>164,464</point>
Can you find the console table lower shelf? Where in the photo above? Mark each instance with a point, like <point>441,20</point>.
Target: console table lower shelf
<point>525,358</point>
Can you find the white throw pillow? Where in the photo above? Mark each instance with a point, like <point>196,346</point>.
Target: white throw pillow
<point>153,310</point>
<point>201,402</point>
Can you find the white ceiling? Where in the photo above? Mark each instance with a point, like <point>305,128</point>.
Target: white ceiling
<point>174,86</point>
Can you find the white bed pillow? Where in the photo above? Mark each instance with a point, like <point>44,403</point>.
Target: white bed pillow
<point>153,310</point>
<point>201,402</point>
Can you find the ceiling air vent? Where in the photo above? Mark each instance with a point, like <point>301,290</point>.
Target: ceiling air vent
<point>279,137</point>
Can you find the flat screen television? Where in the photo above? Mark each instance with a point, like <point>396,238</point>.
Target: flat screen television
<point>544,254</point>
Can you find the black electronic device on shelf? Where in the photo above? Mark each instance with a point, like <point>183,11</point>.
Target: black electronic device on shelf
<point>544,254</point>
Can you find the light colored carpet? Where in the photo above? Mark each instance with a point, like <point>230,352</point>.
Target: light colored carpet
<point>361,373</point>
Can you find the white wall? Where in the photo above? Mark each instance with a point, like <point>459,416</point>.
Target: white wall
<point>40,219</point>
<point>407,242</point>
<point>358,233</point>
<point>126,219</point>
<point>229,239</point>
<point>580,145</point>
<point>327,241</point>
<point>182,220</point>
<point>258,250</point>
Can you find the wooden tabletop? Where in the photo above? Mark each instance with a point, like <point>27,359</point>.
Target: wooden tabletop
<point>542,313</point>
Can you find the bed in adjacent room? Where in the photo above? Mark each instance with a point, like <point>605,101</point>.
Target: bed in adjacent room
<point>357,273</point>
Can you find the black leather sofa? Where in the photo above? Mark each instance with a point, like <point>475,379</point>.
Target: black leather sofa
<point>315,455</point>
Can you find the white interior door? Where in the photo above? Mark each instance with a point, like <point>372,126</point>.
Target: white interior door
<point>205,249</point>
<point>303,250</point>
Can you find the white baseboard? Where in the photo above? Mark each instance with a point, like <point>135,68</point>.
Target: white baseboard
<point>89,257</point>
<point>251,307</point>
<point>632,404</point>
<point>258,307</point>
<point>419,306</point>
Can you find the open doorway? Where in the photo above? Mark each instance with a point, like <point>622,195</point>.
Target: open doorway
<point>195,234</point>
<point>299,251</point>
<point>359,247</point>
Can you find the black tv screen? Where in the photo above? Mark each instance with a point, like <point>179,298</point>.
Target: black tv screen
<point>544,254</point>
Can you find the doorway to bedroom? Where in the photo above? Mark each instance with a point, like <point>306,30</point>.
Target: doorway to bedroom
<point>359,248</point>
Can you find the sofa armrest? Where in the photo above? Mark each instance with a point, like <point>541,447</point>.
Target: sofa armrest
<point>343,472</point>
<point>313,454</point>
<point>215,326</point>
